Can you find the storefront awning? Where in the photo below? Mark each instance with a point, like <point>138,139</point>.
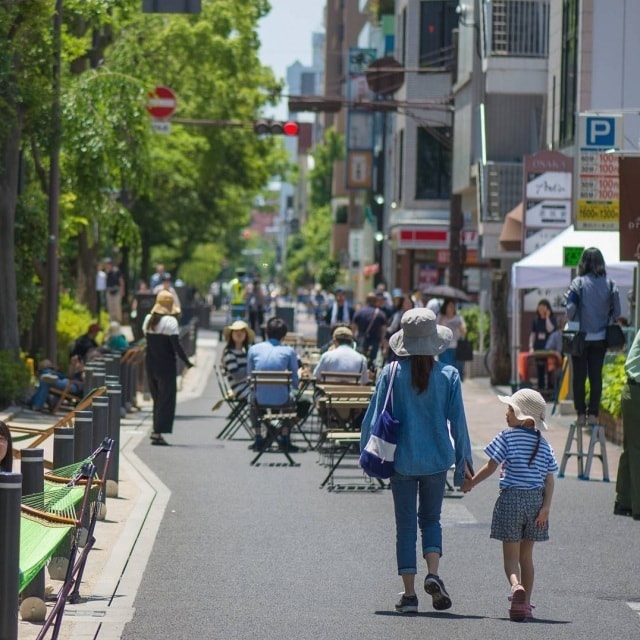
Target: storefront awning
<point>511,235</point>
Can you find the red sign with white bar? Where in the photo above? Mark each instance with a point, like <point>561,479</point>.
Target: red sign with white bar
<point>162,103</point>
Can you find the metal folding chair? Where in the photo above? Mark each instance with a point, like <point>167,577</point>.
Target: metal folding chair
<point>239,409</point>
<point>272,417</point>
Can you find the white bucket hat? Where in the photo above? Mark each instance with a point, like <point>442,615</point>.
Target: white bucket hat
<point>420,334</point>
<point>528,404</point>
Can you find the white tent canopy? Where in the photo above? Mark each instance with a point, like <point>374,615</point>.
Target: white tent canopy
<point>543,268</point>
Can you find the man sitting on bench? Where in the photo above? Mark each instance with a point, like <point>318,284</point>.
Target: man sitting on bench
<point>271,355</point>
<point>50,377</point>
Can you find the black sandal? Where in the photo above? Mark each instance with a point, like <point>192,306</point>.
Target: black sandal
<point>156,438</point>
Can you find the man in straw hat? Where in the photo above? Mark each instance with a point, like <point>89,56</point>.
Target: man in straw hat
<point>426,398</point>
<point>162,333</point>
<point>521,514</point>
<point>342,358</point>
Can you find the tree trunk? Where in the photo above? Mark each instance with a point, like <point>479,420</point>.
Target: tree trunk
<point>86,270</point>
<point>9,163</point>
<point>500,364</point>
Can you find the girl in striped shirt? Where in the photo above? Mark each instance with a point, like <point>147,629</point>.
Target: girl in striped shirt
<point>521,514</point>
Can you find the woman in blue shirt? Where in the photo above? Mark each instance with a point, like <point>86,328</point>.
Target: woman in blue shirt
<point>593,300</point>
<point>427,401</point>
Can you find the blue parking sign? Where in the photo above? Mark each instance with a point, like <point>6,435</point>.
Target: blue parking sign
<point>600,132</point>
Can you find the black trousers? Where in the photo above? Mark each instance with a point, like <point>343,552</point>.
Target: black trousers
<point>588,365</point>
<point>163,389</point>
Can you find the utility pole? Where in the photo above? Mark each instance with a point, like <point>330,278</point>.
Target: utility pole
<point>51,342</point>
<point>456,219</point>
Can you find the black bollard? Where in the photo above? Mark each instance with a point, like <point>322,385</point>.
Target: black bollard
<point>112,364</point>
<point>88,376</point>
<point>125,382</point>
<point>113,393</point>
<point>97,380</point>
<point>32,468</point>
<point>62,447</point>
<point>83,431</point>
<point>10,496</point>
<point>100,406</point>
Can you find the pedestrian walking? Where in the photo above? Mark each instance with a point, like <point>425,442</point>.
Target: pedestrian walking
<point>162,332</point>
<point>101,289</point>
<point>433,435</point>
<point>592,299</point>
<point>521,513</point>
<point>628,481</point>
<point>115,290</point>
<point>449,317</point>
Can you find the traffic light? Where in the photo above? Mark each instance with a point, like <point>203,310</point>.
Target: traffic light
<point>276,127</point>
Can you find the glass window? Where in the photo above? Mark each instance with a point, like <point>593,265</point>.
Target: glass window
<point>438,18</point>
<point>433,163</point>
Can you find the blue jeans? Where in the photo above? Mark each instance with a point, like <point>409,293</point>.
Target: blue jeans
<point>42,392</point>
<point>411,514</point>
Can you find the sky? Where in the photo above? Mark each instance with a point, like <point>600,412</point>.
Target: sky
<point>285,35</point>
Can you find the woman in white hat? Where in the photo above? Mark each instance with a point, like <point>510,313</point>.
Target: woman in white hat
<point>239,337</point>
<point>427,396</point>
<point>162,333</point>
<point>521,514</point>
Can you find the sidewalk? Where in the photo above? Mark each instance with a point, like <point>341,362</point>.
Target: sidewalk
<point>125,538</point>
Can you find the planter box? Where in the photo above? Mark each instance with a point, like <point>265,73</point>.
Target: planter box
<point>612,427</point>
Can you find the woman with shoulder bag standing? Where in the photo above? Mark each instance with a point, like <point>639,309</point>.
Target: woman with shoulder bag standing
<point>591,300</point>
<point>162,333</point>
<point>426,396</point>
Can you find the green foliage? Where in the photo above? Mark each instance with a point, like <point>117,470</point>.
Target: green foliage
<point>321,176</point>
<point>14,379</point>
<point>308,252</point>
<point>477,323</point>
<point>613,379</point>
<point>73,321</point>
<point>328,274</point>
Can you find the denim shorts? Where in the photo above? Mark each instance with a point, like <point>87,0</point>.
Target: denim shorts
<point>514,516</point>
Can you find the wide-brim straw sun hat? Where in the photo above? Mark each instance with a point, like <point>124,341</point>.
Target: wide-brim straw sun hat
<point>239,325</point>
<point>420,334</point>
<point>528,404</point>
<point>165,304</point>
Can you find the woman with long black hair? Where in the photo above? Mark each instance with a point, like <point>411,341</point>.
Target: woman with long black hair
<point>592,299</point>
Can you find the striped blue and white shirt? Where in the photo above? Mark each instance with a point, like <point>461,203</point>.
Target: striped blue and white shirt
<point>512,449</point>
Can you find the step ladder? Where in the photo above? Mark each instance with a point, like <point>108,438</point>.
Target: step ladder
<point>585,459</point>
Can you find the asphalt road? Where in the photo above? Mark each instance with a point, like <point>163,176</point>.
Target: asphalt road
<point>262,552</point>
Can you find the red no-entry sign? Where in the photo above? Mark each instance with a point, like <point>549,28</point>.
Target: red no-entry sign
<point>162,103</point>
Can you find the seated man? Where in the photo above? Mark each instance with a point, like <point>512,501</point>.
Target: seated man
<point>270,355</point>
<point>342,357</point>
<point>51,377</point>
<point>86,342</point>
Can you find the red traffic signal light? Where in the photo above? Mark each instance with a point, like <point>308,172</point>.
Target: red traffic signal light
<point>290,128</point>
<point>276,128</point>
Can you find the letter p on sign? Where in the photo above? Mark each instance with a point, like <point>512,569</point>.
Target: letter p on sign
<point>601,132</point>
